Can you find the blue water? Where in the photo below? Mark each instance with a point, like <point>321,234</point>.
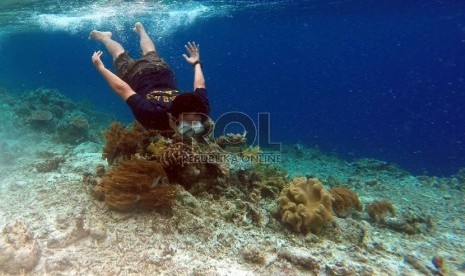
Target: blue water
<point>355,78</point>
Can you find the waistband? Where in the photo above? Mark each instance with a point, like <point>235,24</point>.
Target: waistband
<point>172,92</point>
<point>163,97</point>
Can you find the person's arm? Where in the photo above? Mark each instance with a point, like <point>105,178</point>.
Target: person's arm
<point>120,87</point>
<point>194,60</point>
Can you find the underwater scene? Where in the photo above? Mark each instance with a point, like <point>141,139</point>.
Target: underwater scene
<point>277,137</point>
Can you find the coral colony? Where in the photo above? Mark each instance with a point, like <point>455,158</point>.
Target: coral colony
<point>231,197</point>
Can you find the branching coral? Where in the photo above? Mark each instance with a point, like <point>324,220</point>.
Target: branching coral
<point>345,201</point>
<point>378,210</point>
<point>305,205</point>
<point>177,154</point>
<point>136,184</point>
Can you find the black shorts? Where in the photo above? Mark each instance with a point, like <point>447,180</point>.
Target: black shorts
<point>126,67</point>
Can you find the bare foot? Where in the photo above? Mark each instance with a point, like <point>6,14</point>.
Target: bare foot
<point>99,36</point>
<point>138,28</point>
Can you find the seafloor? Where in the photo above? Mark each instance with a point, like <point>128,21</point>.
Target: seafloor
<point>53,226</point>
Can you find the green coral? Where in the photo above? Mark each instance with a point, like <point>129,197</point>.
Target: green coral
<point>156,148</point>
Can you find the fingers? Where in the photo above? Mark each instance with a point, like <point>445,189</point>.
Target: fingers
<point>96,59</point>
<point>97,54</point>
<point>192,48</point>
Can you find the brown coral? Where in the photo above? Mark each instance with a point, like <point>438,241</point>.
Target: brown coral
<point>177,154</point>
<point>345,201</point>
<point>233,143</point>
<point>184,166</point>
<point>156,148</point>
<point>122,143</point>
<point>305,205</point>
<point>378,210</point>
<point>136,184</point>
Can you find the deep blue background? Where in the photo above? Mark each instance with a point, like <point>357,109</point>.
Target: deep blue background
<point>374,81</point>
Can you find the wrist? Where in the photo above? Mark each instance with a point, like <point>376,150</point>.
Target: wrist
<point>198,62</point>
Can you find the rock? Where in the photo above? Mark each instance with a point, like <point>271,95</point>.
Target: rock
<point>305,261</point>
<point>19,252</point>
<point>417,264</point>
<point>253,255</point>
<point>340,268</point>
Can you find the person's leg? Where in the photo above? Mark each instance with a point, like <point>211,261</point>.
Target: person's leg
<point>146,44</point>
<point>112,46</point>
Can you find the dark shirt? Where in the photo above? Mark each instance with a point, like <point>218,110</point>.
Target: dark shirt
<point>151,109</point>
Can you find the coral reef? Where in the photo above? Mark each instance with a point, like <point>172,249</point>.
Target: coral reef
<point>348,231</point>
<point>136,184</point>
<point>457,181</point>
<point>40,119</point>
<point>43,100</point>
<point>197,167</point>
<point>73,130</point>
<point>50,164</point>
<point>378,210</point>
<point>416,262</point>
<point>460,176</point>
<point>372,166</point>
<point>122,143</point>
<point>78,232</point>
<point>253,255</point>
<point>251,153</point>
<point>345,201</point>
<point>158,146</point>
<point>299,150</point>
<point>19,252</point>
<point>232,142</point>
<point>176,155</point>
<point>305,205</point>
<point>268,179</point>
<point>306,261</point>
<point>48,111</point>
<point>239,163</point>
<point>193,165</point>
<point>409,224</point>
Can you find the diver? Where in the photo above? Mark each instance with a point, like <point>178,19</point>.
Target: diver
<point>148,85</point>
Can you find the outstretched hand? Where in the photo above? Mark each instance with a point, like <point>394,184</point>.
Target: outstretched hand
<point>193,50</point>
<point>96,59</point>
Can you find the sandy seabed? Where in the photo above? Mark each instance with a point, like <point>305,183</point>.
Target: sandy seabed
<point>53,226</point>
